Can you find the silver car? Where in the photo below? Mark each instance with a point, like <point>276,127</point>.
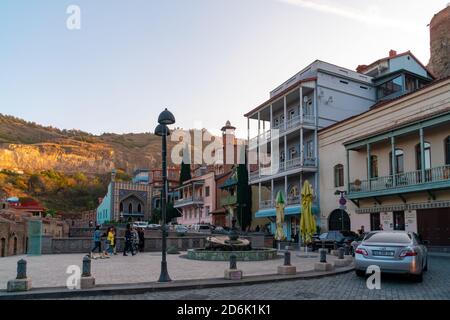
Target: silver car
<point>394,252</point>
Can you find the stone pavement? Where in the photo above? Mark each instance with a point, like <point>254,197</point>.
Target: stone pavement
<point>50,270</point>
<point>436,285</point>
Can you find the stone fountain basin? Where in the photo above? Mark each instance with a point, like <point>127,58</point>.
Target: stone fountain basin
<point>259,254</point>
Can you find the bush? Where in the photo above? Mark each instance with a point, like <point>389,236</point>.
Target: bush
<point>173,250</point>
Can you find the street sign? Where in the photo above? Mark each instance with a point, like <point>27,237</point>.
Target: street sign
<point>342,201</point>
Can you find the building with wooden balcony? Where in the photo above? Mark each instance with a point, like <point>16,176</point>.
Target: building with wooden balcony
<point>393,162</point>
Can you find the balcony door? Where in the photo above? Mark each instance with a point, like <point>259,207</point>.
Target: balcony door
<point>375,221</point>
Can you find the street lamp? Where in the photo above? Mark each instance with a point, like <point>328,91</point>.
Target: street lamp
<point>164,119</point>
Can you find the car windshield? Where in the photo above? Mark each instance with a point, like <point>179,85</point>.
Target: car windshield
<point>388,237</point>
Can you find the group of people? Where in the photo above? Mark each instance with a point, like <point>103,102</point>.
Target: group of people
<point>134,241</point>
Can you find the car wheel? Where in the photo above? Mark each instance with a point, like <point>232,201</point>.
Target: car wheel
<point>417,277</point>
<point>360,273</point>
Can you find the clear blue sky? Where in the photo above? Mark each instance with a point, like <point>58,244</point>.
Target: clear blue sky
<point>206,60</point>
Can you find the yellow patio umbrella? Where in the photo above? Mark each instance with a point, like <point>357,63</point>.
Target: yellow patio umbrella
<point>280,204</point>
<point>307,220</point>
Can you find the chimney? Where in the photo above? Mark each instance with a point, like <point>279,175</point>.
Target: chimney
<point>439,63</point>
<point>392,53</point>
<point>361,68</point>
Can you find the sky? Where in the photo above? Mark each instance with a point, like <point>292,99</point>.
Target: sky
<point>207,61</point>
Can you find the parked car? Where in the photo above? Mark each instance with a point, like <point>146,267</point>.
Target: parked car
<point>394,252</point>
<point>153,226</point>
<point>181,229</point>
<point>202,228</point>
<point>355,243</point>
<point>328,239</point>
<point>140,224</point>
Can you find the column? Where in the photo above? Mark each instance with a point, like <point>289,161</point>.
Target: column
<point>258,150</point>
<point>369,166</point>
<point>422,155</point>
<point>302,147</point>
<point>393,162</point>
<point>285,152</point>
<point>301,104</point>
<point>271,192</point>
<point>248,144</point>
<point>285,111</point>
<point>285,187</point>
<point>259,194</point>
<point>348,170</point>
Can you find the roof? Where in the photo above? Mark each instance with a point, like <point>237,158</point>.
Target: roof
<point>385,102</point>
<point>279,95</point>
<point>363,68</point>
<point>219,211</point>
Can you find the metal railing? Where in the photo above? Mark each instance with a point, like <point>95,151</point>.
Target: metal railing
<point>187,200</point>
<point>405,179</point>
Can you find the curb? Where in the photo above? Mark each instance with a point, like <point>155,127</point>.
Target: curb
<point>140,288</point>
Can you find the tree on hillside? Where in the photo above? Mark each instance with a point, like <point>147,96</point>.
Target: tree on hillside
<point>185,173</point>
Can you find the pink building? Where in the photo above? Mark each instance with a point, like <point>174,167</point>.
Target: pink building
<point>197,199</point>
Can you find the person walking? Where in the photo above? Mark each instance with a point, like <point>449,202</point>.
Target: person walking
<point>135,239</point>
<point>97,242</point>
<point>115,240</point>
<point>141,239</point>
<point>110,241</point>
<point>128,241</point>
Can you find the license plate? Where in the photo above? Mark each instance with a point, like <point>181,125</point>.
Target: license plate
<point>383,253</point>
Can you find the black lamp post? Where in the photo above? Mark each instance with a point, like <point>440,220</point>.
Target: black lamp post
<point>164,119</point>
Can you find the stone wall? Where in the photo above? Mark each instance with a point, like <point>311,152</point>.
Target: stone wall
<point>84,244</point>
<point>440,44</point>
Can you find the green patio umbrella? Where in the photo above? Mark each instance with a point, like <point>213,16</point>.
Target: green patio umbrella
<point>307,221</point>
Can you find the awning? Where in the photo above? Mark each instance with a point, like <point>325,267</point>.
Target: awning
<point>219,211</point>
<point>291,210</point>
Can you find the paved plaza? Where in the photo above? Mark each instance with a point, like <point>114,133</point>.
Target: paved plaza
<point>436,285</point>
<point>50,270</point>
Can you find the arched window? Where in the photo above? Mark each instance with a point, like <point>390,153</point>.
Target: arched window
<point>293,192</point>
<point>399,155</point>
<point>447,150</point>
<point>338,175</point>
<point>130,208</point>
<point>121,207</point>
<point>139,208</point>
<point>427,151</point>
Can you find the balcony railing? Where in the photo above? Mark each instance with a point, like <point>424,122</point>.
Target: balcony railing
<point>406,179</point>
<point>290,201</point>
<point>188,200</point>
<point>228,200</point>
<point>291,164</point>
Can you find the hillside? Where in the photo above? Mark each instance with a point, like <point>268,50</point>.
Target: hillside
<point>68,169</point>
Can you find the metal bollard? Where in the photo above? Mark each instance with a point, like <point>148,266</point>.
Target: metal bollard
<point>335,247</point>
<point>287,258</point>
<point>323,244</point>
<point>341,253</point>
<point>323,255</point>
<point>233,262</point>
<point>347,250</point>
<point>86,267</point>
<point>21,269</point>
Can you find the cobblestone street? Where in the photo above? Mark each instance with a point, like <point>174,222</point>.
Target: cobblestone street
<point>436,285</point>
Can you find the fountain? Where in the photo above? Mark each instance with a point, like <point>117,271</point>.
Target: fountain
<point>220,248</point>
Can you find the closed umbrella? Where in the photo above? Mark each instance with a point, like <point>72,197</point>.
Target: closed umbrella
<point>307,221</point>
<point>280,204</point>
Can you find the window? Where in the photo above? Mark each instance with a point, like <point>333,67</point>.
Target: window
<point>339,175</point>
<point>447,150</point>
<point>291,114</point>
<point>207,210</point>
<point>390,87</point>
<point>276,122</point>
<point>427,151</point>
<point>282,156</point>
<point>292,152</point>
<point>399,155</point>
<point>139,208</point>
<point>307,107</point>
<point>399,220</point>
<point>207,191</point>
<point>309,149</point>
<point>373,167</point>
<point>130,208</point>
<point>282,118</point>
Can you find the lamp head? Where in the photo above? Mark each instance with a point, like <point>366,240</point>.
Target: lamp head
<point>166,117</point>
<point>162,130</point>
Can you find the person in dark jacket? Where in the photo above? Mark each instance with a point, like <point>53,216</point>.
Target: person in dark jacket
<point>141,239</point>
<point>128,241</point>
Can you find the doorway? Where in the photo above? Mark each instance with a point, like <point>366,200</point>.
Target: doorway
<point>399,220</point>
<point>375,221</point>
<point>339,220</point>
<point>3,247</point>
